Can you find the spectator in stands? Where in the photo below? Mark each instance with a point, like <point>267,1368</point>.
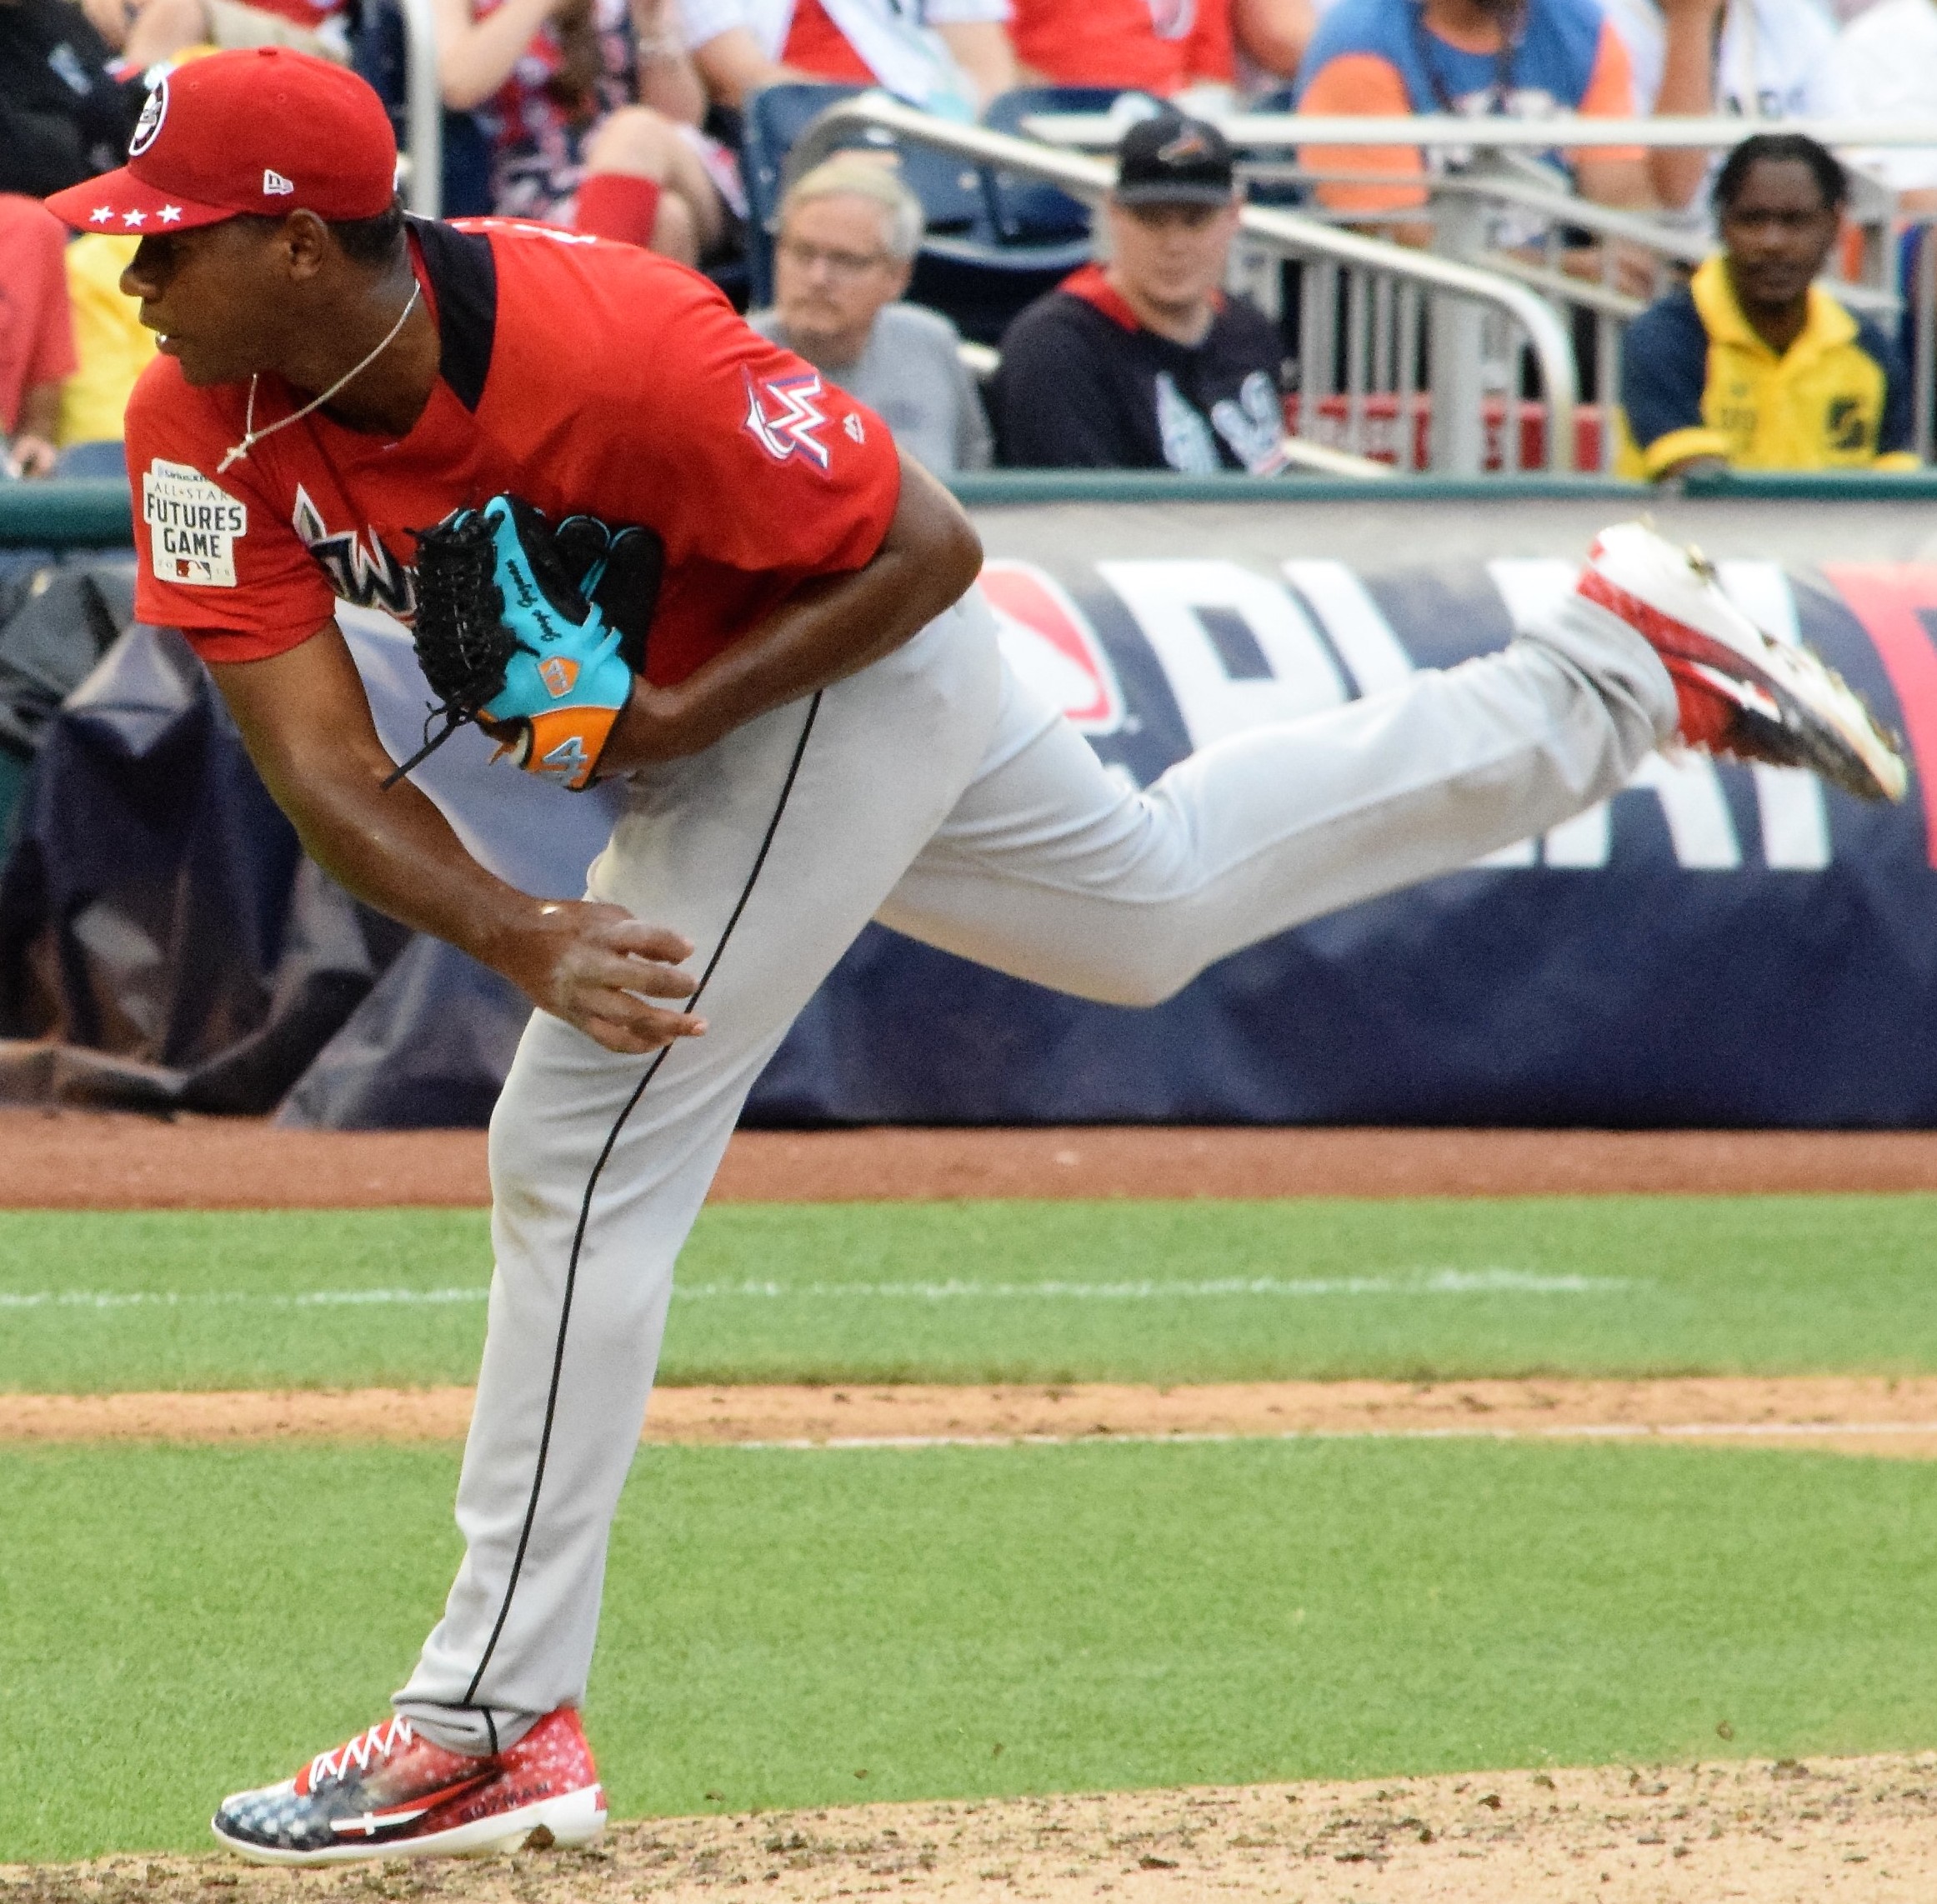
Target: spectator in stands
<point>144,31</point>
<point>1481,58</point>
<point>63,116</point>
<point>1163,46</point>
<point>37,333</point>
<point>1144,363</point>
<point>1271,36</point>
<point>1749,59</point>
<point>1753,365</point>
<point>850,230</point>
<point>1884,66</point>
<point>593,110</point>
<point>111,344</point>
<point>950,56</point>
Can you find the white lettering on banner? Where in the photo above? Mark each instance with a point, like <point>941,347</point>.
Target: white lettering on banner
<point>1700,824</point>
<point>1359,630</point>
<point>192,525</point>
<point>1795,824</point>
<point>1237,651</point>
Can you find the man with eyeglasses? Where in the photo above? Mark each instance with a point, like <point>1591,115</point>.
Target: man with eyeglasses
<point>850,230</point>
<point>1144,363</point>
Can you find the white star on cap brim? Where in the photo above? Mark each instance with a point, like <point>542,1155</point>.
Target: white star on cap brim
<point>171,214</point>
<point>100,214</point>
<point>133,217</point>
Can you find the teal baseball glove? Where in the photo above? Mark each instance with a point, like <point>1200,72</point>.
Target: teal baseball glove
<point>534,632</point>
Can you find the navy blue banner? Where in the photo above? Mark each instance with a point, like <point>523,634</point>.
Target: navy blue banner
<point>1715,946</point>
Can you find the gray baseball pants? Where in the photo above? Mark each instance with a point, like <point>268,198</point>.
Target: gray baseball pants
<point>936,793</point>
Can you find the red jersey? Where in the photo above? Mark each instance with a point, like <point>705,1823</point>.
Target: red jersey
<point>1156,46</point>
<point>308,14</point>
<point>586,377</point>
<point>36,327</point>
<point>815,45</point>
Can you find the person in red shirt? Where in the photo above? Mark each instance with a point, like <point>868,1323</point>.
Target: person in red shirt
<point>36,332</point>
<point>1163,46</point>
<point>823,732</point>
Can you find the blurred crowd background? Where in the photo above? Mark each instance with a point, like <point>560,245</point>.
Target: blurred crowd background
<point>1726,304</point>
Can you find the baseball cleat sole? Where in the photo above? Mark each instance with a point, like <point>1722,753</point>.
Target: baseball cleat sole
<point>572,1820</point>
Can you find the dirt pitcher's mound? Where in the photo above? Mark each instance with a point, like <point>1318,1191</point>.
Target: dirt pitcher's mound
<point>1863,1830</point>
<point>1850,1414</point>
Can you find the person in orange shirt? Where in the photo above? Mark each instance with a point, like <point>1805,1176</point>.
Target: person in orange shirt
<point>1523,58</point>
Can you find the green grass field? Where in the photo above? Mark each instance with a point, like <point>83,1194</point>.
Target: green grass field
<point>177,1622</point>
<point>174,1623</point>
<point>1011,1291</point>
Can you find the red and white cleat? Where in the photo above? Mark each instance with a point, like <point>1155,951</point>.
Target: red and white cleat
<point>1742,693</point>
<point>390,1792</point>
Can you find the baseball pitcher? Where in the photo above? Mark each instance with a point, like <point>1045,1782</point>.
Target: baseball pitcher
<point>638,541</point>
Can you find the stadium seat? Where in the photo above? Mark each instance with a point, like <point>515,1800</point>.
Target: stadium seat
<point>965,268</point>
<point>953,199</point>
<point>1027,212</point>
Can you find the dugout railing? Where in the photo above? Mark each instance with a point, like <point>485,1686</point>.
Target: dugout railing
<point>1635,256</point>
<point>1393,343</point>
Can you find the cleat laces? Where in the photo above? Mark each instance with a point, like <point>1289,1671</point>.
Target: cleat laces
<point>379,1742</point>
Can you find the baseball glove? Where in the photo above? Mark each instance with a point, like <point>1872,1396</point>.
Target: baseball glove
<point>533,632</point>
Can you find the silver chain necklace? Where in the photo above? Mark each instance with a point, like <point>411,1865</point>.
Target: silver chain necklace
<point>252,436</point>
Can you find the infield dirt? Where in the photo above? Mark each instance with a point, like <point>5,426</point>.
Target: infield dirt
<point>1863,1830</point>
<point>77,1160</point>
<point>1845,1414</point>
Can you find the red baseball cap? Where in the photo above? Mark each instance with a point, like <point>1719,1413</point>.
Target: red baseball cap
<point>261,129</point>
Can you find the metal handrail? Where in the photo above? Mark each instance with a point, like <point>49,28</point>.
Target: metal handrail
<point>423,188</point>
<point>1570,131</point>
<point>1286,234</point>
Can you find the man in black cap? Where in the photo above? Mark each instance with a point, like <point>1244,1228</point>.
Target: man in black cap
<point>1145,363</point>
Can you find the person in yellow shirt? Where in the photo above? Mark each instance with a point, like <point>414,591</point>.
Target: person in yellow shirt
<point>112,346</point>
<point>1753,365</point>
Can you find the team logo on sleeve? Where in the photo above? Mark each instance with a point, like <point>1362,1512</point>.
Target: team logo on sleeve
<point>367,575</point>
<point>193,525</point>
<point>782,418</point>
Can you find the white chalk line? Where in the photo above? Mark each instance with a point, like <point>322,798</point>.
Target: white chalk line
<point>1598,1431</point>
<point>1419,1282</point>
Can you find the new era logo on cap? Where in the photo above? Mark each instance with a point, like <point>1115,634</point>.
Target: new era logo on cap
<point>252,129</point>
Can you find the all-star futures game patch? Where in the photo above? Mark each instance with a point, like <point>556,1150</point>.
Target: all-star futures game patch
<point>193,525</point>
